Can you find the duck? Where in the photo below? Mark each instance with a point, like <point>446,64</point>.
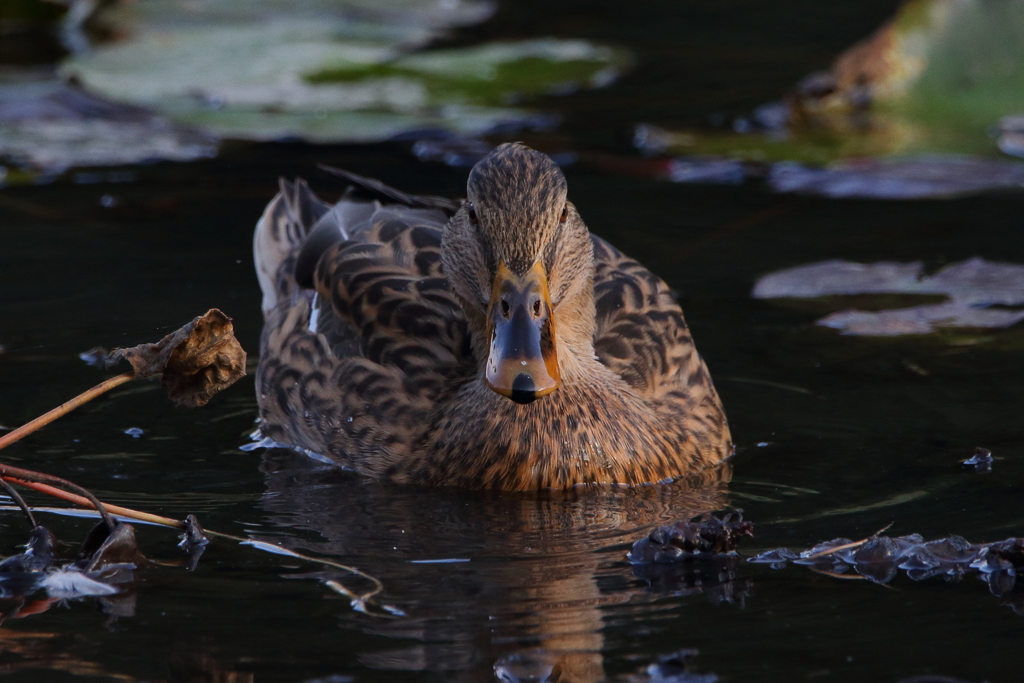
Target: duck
<point>489,342</point>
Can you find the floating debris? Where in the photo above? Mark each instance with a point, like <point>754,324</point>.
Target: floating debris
<point>193,542</point>
<point>704,536</point>
<point>672,668</point>
<point>982,460</point>
<point>67,583</point>
<point>194,534</point>
<point>973,286</point>
<point>96,356</point>
<point>776,558</point>
<point>878,559</point>
<point>106,560</point>
<point>697,557</point>
<point>105,547</point>
<point>135,432</point>
<point>38,555</point>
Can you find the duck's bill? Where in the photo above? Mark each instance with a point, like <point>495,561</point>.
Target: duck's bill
<point>522,363</point>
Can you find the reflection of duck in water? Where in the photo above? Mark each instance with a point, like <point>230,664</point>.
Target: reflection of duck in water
<point>540,574</point>
<point>492,344</point>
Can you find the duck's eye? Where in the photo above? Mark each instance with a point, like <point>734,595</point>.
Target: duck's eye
<point>565,214</point>
<point>472,215</point>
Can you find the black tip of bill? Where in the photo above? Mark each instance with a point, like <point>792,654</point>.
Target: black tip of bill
<point>523,389</point>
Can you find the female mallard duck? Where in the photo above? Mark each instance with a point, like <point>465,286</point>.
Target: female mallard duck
<point>492,343</point>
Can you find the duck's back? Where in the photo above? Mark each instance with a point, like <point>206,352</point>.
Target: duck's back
<point>366,358</point>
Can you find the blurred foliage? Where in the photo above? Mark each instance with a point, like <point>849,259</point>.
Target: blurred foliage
<point>30,11</point>
<point>937,78</point>
<point>488,75</point>
<point>327,71</point>
<point>975,69</point>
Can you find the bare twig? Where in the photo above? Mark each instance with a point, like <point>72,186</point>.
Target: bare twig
<point>89,501</point>
<point>848,546</point>
<point>64,409</point>
<point>849,577</point>
<point>837,575</point>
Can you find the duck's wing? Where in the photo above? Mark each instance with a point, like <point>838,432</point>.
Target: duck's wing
<point>376,266</point>
<point>279,234</point>
<point>641,334</point>
<point>387,284</point>
<point>355,371</point>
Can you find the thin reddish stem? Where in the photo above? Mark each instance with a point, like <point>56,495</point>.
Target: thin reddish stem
<point>86,503</point>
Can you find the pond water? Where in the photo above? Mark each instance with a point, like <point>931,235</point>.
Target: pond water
<point>836,435</point>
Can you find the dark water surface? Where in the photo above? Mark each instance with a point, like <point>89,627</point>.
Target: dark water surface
<point>836,436</point>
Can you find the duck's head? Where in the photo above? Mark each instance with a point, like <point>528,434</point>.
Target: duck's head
<point>520,258</point>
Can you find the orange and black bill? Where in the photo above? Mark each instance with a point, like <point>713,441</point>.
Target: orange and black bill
<point>522,363</point>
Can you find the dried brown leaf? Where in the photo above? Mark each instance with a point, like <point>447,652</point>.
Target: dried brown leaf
<point>195,362</point>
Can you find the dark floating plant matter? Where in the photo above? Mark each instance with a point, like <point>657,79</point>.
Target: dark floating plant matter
<point>699,556</point>
<point>104,566</point>
<point>880,558</point>
<point>703,536</point>
<point>696,557</point>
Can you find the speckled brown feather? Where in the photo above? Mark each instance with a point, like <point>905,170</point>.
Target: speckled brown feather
<point>390,382</point>
<point>279,233</point>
